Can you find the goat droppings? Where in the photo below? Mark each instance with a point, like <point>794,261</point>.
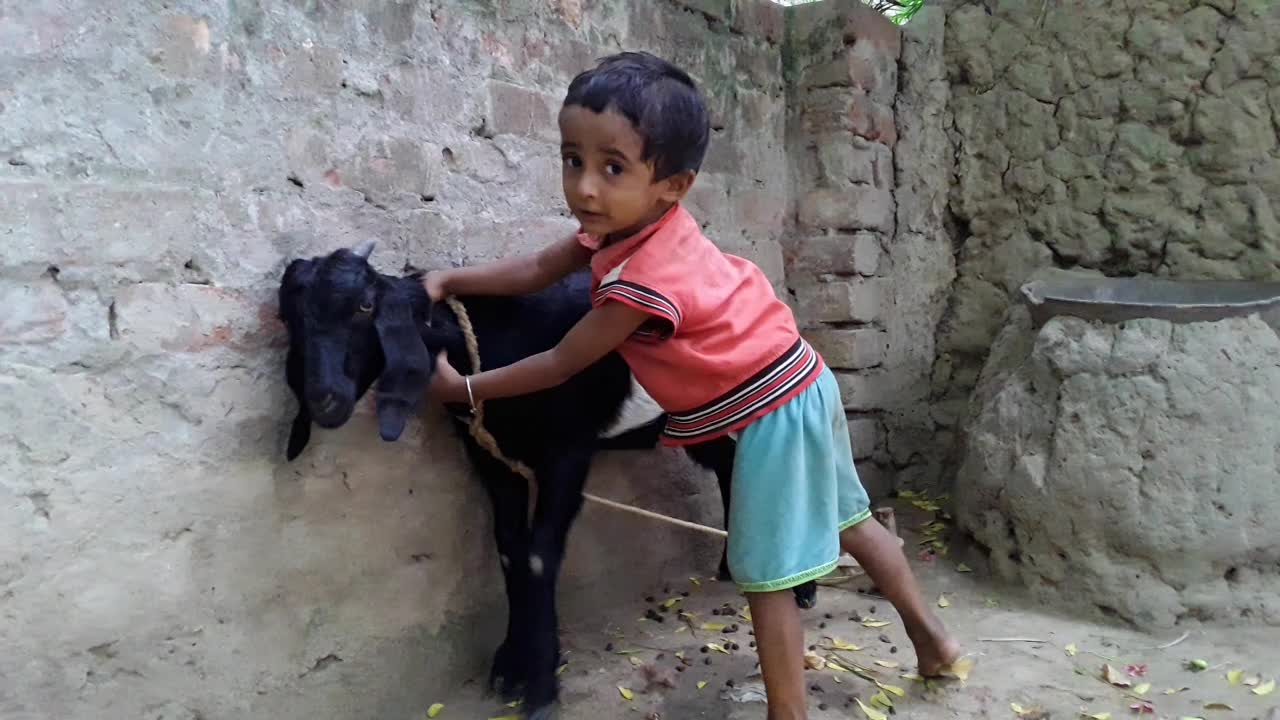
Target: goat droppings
<point>535,565</point>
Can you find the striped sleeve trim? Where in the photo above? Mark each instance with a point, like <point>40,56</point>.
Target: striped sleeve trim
<point>783,377</point>
<point>641,297</point>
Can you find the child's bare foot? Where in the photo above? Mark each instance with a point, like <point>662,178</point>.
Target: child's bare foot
<point>935,648</point>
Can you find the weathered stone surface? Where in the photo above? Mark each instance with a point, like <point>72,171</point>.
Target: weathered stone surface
<point>851,208</point>
<point>857,254</point>
<point>34,313</point>
<point>856,349</point>
<point>1137,488</point>
<point>1126,140</point>
<point>865,391</point>
<point>858,300</point>
<point>865,436</point>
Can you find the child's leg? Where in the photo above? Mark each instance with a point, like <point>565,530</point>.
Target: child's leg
<point>877,551</point>
<point>780,642</point>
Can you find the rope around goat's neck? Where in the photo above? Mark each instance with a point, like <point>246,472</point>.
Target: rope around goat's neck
<point>489,443</point>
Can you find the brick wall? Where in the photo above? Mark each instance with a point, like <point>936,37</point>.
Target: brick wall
<point>159,164</point>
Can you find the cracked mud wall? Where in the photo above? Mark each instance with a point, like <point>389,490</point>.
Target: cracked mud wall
<point>159,164</point>
<point>1121,137</point>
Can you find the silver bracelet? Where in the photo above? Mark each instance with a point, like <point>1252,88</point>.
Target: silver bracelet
<point>472,398</point>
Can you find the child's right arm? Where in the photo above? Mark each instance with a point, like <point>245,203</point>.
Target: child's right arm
<point>510,276</point>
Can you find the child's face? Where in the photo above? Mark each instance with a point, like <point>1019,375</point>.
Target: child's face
<point>609,189</point>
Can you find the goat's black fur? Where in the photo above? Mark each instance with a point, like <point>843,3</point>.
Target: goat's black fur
<point>350,327</point>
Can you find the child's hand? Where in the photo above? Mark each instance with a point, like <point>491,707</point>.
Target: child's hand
<point>433,281</point>
<point>447,386</point>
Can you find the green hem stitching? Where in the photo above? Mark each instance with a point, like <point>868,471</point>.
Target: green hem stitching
<point>788,582</point>
<point>865,514</point>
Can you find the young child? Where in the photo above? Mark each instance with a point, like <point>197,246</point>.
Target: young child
<point>705,335</point>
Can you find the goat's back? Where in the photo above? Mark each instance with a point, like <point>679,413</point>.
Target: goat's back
<point>509,329</point>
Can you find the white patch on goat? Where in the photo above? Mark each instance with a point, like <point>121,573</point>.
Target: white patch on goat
<point>638,410</point>
<point>535,565</point>
<point>506,562</point>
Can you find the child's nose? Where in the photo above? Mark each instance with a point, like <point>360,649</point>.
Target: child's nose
<point>587,186</point>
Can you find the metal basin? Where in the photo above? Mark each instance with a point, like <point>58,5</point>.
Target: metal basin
<point>1181,301</point>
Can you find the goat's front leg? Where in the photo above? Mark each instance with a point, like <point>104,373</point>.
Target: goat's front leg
<point>509,495</point>
<point>560,483</point>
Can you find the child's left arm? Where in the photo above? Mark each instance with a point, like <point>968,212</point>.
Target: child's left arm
<point>600,331</point>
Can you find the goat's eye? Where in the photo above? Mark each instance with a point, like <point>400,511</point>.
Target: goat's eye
<point>366,307</point>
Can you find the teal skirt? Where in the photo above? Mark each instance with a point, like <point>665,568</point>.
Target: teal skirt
<point>795,489</point>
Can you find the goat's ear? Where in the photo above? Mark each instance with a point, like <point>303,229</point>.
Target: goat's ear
<point>408,364</point>
<point>296,278</point>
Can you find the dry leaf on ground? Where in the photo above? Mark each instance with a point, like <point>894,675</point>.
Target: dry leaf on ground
<point>435,710</point>
<point>625,693</point>
<point>943,602</point>
<point>871,713</point>
<point>1114,677</point>
<point>1071,650</point>
<point>1265,689</point>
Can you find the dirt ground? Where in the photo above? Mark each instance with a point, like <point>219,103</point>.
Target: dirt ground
<point>1029,661</point>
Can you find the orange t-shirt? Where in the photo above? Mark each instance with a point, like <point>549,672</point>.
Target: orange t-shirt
<point>720,349</point>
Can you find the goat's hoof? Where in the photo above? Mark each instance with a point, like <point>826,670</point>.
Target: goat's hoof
<point>807,595</point>
<point>506,677</point>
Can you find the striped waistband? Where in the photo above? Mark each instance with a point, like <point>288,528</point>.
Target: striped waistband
<point>768,388</point>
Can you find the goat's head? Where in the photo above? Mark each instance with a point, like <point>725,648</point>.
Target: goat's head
<point>349,326</point>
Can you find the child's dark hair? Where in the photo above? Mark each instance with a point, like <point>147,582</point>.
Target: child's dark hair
<point>659,99</point>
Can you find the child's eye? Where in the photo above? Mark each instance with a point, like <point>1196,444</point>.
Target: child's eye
<point>613,169</point>
<point>572,161</point>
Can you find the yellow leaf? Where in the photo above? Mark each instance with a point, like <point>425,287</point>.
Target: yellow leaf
<point>1115,677</point>
<point>746,613</point>
<point>625,693</point>
<point>1100,716</point>
<point>839,644</point>
<point>959,669</point>
<point>636,661</point>
<point>832,665</point>
<point>717,648</point>
<point>876,623</point>
<point>892,689</point>
<point>1071,650</point>
<point>887,663</point>
<point>1018,709</point>
<point>702,684</point>
<point>695,581</point>
<point>562,669</point>
<point>680,655</point>
<point>1265,688</point>
<point>506,717</point>
<point>908,494</point>
<point>1175,691</point>
<point>1234,677</point>
<point>670,603</point>
<point>871,713</point>
<point>1142,689</point>
<point>515,703</point>
<point>943,602</point>
<point>963,568</point>
<point>914,677</point>
<point>713,627</point>
<point>1218,706</point>
<point>435,710</point>
<point>682,628</point>
<point>1197,665</point>
<point>881,700</point>
<point>814,662</point>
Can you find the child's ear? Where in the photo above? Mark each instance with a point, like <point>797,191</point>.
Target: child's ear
<point>677,186</point>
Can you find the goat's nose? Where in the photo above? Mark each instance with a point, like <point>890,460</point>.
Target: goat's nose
<point>324,403</point>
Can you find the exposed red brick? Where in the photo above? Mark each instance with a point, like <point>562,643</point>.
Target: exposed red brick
<point>517,111</point>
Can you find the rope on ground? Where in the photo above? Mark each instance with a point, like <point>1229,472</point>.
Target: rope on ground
<point>489,443</point>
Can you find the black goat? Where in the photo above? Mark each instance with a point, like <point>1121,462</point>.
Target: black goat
<point>350,326</point>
